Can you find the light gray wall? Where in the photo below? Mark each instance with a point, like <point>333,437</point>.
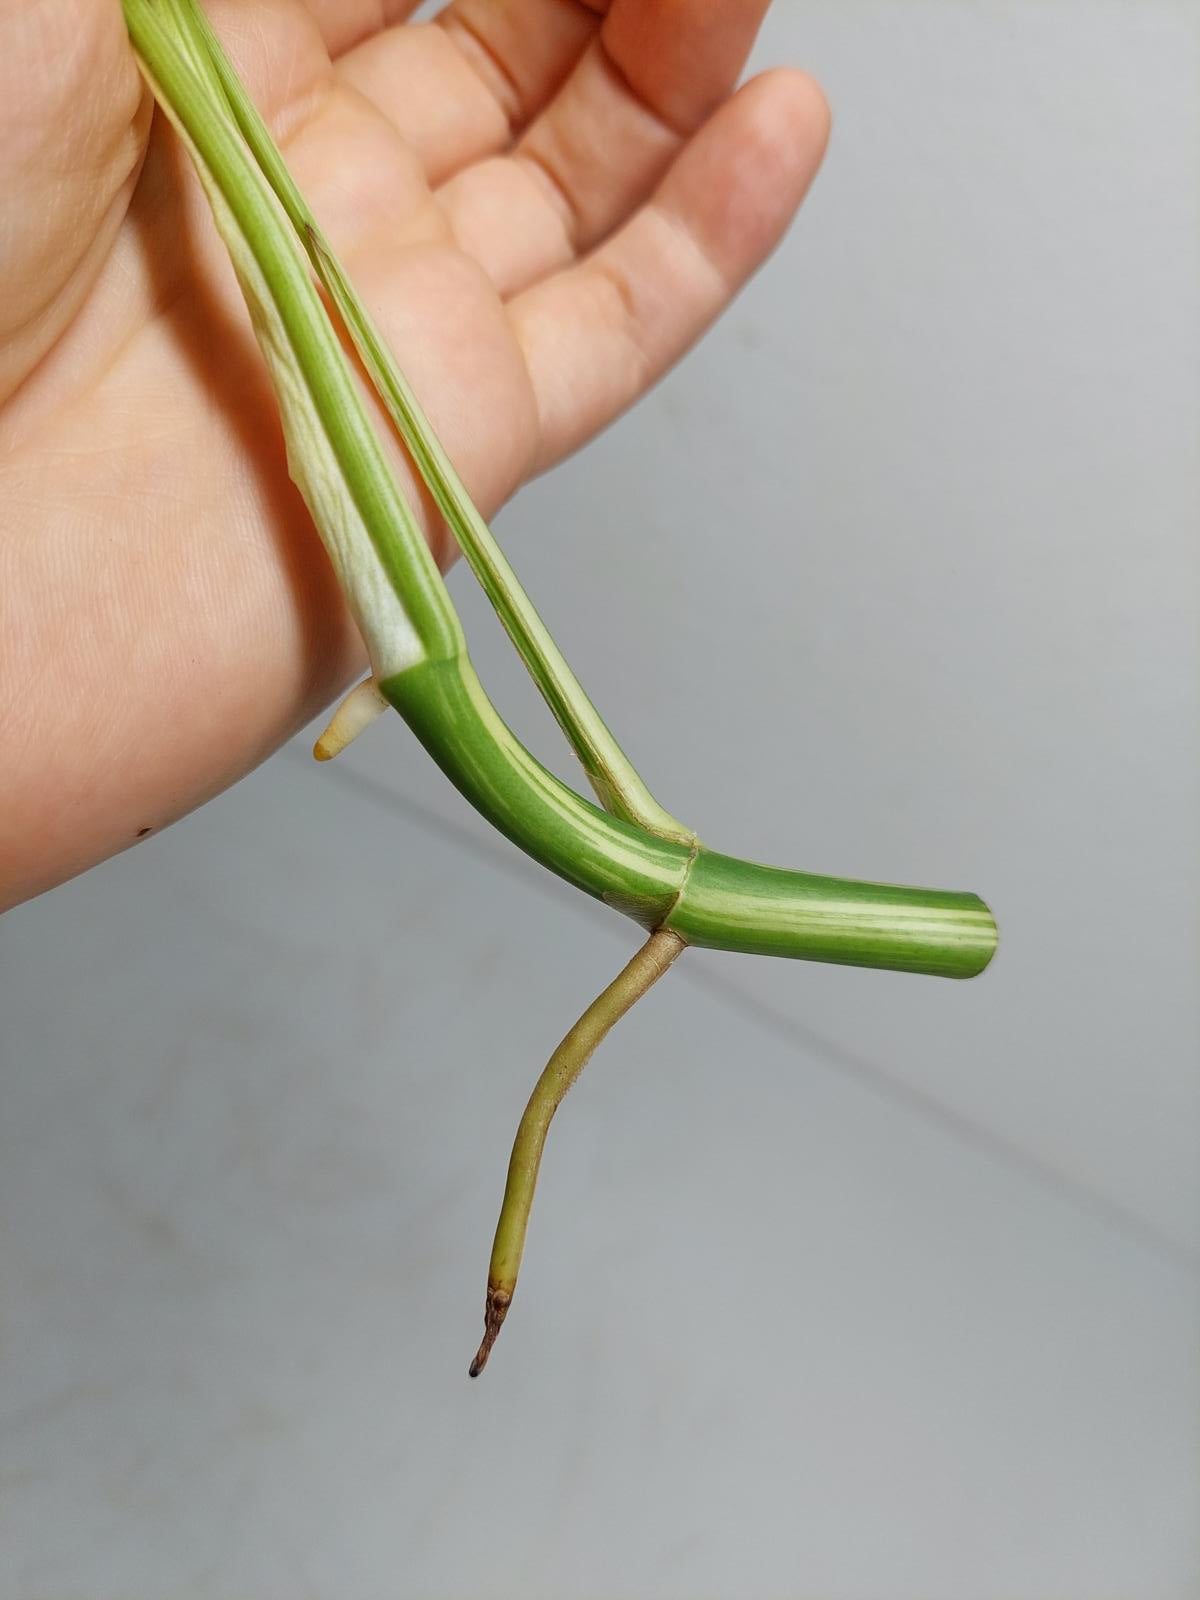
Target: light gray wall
<point>843,1284</point>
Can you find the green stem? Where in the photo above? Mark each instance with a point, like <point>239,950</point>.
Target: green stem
<point>617,783</point>
<point>706,898</point>
<point>559,1074</point>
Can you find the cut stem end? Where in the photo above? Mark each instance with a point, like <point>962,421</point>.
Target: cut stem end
<point>495,1309</point>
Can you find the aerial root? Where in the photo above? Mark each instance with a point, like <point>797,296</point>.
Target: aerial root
<point>357,711</point>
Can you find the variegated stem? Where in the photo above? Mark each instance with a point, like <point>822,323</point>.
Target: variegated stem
<point>412,631</point>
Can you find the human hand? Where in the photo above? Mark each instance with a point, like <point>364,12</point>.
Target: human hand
<point>542,204</point>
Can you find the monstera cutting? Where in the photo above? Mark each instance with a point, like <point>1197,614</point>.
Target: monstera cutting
<point>622,847</point>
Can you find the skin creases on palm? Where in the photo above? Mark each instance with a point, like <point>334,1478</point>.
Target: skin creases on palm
<point>542,203</point>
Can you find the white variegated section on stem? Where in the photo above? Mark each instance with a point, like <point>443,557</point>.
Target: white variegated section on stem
<point>393,644</point>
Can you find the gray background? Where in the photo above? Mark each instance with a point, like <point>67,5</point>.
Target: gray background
<point>841,1284</point>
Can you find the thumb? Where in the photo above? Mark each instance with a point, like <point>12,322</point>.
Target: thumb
<point>73,122</point>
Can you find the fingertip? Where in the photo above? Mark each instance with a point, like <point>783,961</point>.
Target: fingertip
<point>792,117</point>
<point>806,101</point>
<point>740,182</point>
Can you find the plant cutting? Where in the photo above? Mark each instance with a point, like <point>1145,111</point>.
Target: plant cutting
<point>622,847</point>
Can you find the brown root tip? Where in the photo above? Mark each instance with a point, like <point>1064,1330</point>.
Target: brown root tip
<point>322,752</point>
<point>494,1312</point>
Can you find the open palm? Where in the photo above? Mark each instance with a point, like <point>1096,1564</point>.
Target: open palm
<point>543,202</point>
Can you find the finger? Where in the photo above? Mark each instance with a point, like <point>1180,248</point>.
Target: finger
<point>73,124</point>
<point>459,88</point>
<point>647,82</point>
<point>599,334</point>
<point>346,23</point>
